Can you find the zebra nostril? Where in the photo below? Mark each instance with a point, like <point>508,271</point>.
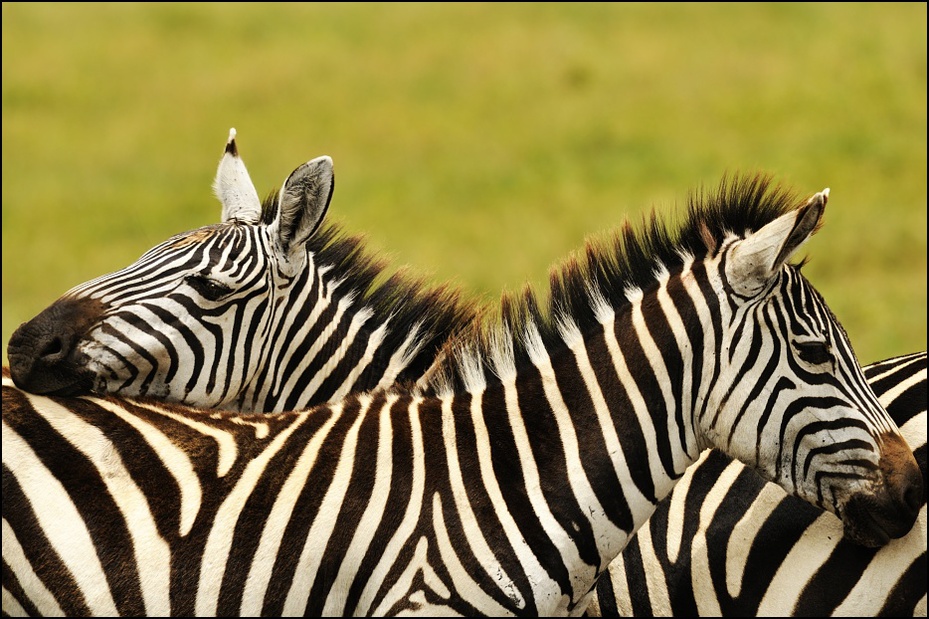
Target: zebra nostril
<point>913,497</point>
<point>53,349</point>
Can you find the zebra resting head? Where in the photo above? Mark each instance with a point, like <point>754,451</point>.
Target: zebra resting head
<point>831,420</point>
<point>268,310</point>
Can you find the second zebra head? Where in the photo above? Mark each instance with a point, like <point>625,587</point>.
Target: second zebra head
<point>267,310</point>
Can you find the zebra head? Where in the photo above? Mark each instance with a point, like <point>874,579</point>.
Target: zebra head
<point>202,299</point>
<point>191,320</point>
<point>791,398</point>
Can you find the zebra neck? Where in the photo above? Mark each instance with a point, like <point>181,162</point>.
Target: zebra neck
<point>320,334</point>
<point>584,441</point>
<point>334,333</point>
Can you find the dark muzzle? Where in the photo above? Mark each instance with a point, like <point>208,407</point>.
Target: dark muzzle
<point>43,352</point>
<point>875,520</point>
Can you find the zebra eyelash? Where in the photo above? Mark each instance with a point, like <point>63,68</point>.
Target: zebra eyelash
<point>208,288</point>
<point>814,352</point>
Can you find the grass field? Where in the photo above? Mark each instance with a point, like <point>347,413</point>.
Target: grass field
<point>478,143</point>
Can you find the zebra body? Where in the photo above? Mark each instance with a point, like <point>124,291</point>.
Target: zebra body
<point>267,311</point>
<point>725,543</point>
<point>508,482</point>
<point>644,580</point>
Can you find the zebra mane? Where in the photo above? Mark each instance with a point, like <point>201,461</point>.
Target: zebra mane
<point>601,279</point>
<point>433,312</point>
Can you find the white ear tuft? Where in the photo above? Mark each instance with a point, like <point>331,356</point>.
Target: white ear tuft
<point>234,187</point>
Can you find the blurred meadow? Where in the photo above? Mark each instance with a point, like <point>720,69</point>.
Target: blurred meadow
<point>477,143</point>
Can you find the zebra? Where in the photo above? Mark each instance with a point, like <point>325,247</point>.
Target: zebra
<point>725,543</point>
<point>269,310</point>
<point>900,385</point>
<point>232,182</point>
<point>507,480</point>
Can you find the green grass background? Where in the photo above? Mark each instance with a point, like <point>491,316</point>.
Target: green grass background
<point>478,143</point>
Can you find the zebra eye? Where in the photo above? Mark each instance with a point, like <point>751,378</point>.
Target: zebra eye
<point>814,353</point>
<point>209,289</point>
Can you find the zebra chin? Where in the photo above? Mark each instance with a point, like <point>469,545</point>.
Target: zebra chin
<point>874,519</point>
<point>52,381</point>
<point>59,379</point>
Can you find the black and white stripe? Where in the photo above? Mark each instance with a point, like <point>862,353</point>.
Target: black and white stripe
<point>725,543</point>
<point>506,484</point>
<point>267,311</point>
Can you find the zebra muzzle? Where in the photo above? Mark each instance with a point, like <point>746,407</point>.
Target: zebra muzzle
<point>874,519</point>
<point>43,352</point>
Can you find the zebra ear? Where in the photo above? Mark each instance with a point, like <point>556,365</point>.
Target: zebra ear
<point>302,203</point>
<point>234,188</point>
<point>758,257</point>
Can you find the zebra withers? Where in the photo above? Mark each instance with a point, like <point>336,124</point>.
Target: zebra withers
<point>269,310</point>
<point>725,543</point>
<point>536,448</point>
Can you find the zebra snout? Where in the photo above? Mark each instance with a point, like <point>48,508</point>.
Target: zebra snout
<point>904,477</point>
<point>42,352</point>
<point>872,520</point>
